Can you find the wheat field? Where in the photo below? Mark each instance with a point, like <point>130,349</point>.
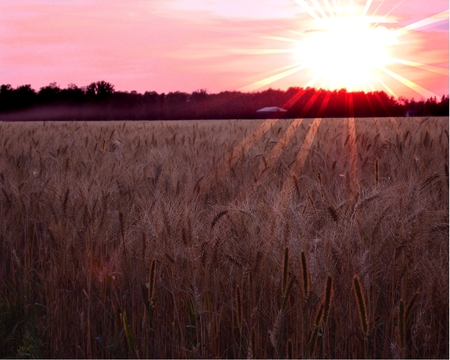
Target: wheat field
<point>301,238</point>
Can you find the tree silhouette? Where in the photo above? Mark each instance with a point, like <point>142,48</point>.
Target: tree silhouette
<point>99,90</point>
<point>6,97</point>
<point>73,94</point>
<point>24,96</point>
<point>100,101</point>
<point>49,94</point>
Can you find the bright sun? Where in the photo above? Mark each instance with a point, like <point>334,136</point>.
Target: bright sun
<point>345,44</point>
<point>344,52</point>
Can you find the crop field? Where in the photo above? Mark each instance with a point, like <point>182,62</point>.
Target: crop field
<point>301,238</point>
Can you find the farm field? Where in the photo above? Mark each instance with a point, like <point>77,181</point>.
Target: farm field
<point>311,238</point>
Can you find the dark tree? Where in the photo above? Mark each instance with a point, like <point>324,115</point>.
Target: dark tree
<point>99,101</point>
<point>99,90</point>
<point>49,94</point>
<point>6,97</point>
<point>24,96</point>
<point>73,94</point>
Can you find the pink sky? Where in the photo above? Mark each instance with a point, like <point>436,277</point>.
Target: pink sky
<point>217,45</point>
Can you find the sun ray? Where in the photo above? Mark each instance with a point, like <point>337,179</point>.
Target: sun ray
<point>319,9</point>
<point>387,14</point>
<point>248,142</point>
<point>369,101</point>
<point>295,32</point>
<point>310,103</point>
<point>306,7</point>
<point>345,48</point>
<point>280,38</point>
<point>284,140</point>
<point>271,79</point>
<point>353,174</point>
<point>388,89</point>
<point>431,68</point>
<point>324,82</point>
<point>311,82</point>
<point>280,69</point>
<point>353,154</point>
<point>264,168</point>
<point>390,11</point>
<point>378,8</point>
<point>381,103</point>
<point>366,8</point>
<point>337,8</point>
<point>412,85</point>
<point>233,156</point>
<point>395,125</point>
<point>422,23</point>
<point>291,102</point>
<point>282,143</point>
<point>268,51</point>
<point>279,147</point>
<point>297,165</point>
<point>372,88</point>
<point>300,159</point>
<point>324,103</point>
<point>329,8</point>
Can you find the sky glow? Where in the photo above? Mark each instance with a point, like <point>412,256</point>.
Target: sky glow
<point>397,46</point>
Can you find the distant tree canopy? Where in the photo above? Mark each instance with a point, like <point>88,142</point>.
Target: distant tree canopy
<point>100,101</point>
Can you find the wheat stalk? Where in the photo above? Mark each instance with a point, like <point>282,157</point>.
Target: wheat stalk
<point>289,349</point>
<point>313,338</point>
<point>129,337</point>
<point>328,296</point>
<point>377,171</point>
<point>151,283</point>
<point>306,277</point>
<point>401,324</point>
<point>409,307</point>
<point>284,275</point>
<point>361,302</point>
<point>238,306</point>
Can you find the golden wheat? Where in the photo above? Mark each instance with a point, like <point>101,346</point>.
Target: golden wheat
<point>149,220</point>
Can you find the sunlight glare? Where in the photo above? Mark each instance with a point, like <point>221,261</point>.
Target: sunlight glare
<point>345,51</point>
<point>345,45</point>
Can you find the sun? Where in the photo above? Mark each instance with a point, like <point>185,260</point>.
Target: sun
<point>345,52</point>
<point>354,45</point>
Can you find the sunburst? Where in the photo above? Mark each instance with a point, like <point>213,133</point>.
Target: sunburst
<point>349,47</point>
<point>345,50</point>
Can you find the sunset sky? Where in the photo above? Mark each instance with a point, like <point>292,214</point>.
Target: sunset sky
<point>217,45</point>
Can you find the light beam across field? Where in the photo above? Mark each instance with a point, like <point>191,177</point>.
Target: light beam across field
<point>348,48</point>
<point>300,159</point>
<point>297,165</point>
<point>353,154</point>
<point>233,156</point>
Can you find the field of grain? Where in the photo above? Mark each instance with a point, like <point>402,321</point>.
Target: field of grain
<point>313,238</point>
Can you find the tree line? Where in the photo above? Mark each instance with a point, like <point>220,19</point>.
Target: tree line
<point>100,101</point>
